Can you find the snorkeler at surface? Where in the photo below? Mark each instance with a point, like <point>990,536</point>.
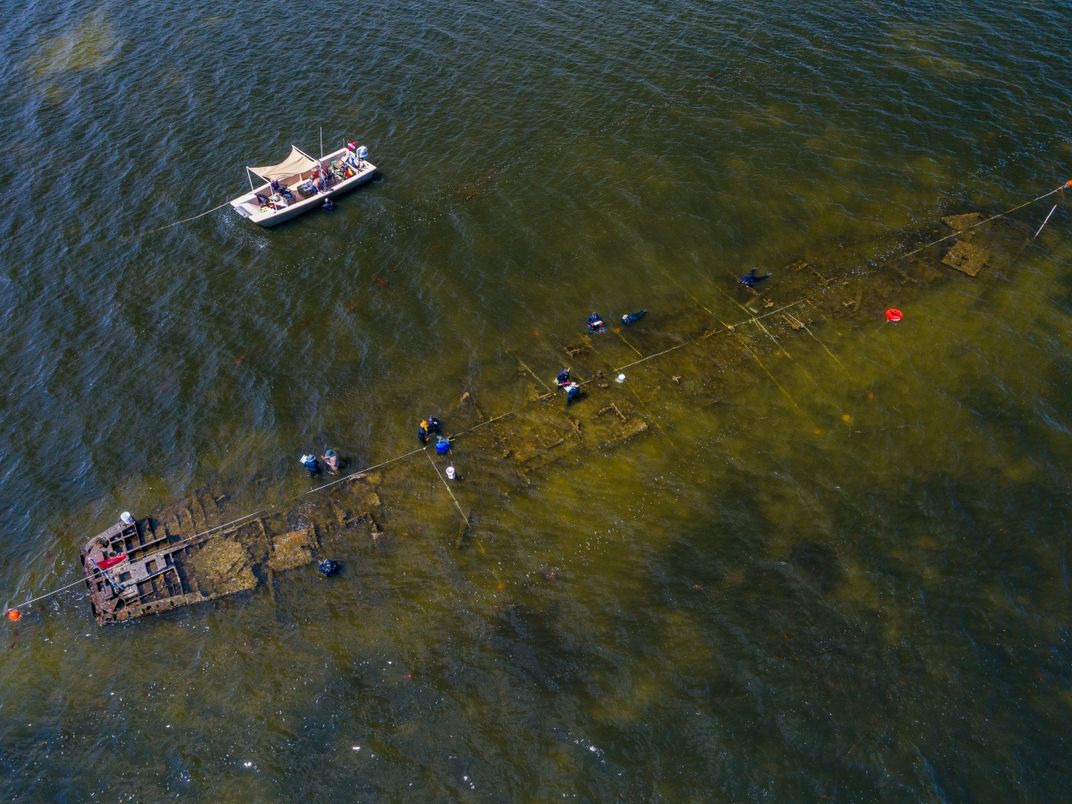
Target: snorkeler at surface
<point>750,280</point>
<point>573,393</point>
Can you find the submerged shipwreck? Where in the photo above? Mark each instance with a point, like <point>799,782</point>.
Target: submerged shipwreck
<point>205,548</point>
<point>180,557</point>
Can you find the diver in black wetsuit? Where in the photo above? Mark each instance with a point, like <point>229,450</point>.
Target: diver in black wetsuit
<point>750,280</point>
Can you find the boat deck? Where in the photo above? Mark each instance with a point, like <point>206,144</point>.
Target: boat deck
<point>250,206</point>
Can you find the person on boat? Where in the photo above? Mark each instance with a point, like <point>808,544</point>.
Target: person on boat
<point>595,323</point>
<point>351,154</point>
<point>631,318</point>
<point>310,463</point>
<point>331,460</point>
<point>277,201</point>
<point>563,378</point>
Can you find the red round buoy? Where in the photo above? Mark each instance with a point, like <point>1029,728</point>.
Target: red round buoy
<point>14,615</point>
<point>893,315</point>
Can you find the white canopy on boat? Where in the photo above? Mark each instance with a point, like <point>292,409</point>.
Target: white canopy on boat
<point>296,163</point>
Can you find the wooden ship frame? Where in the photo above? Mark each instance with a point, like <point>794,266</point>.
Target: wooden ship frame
<point>183,555</point>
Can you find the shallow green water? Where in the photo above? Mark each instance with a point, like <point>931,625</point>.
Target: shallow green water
<point>846,578</point>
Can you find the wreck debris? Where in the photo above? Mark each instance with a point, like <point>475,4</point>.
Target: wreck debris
<point>965,255</point>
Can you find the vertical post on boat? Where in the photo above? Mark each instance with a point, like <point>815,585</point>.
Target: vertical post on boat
<point>321,143</point>
<point>249,176</point>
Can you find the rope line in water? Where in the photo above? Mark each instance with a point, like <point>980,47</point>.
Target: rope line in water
<point>1053,209</point>
<point>709,334</point>
<point>701,336</point>
<point>535,376</point>
<point>367,469</point>
<point>184,220</point>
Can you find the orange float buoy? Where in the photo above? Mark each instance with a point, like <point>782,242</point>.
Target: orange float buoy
<point>14,615</point>
<point>893,315</point>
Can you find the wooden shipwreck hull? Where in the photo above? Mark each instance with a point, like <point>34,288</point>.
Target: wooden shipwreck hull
<point>681,355</point>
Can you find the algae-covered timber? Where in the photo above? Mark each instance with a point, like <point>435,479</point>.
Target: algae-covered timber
<point>184,555</point>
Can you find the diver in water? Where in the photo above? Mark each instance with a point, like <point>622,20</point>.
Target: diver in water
<point>595,323</point>
<point>632,318</point>
<point>331,460</point>
<point>750,280</point>
<point>310,464</point>
<point>573,393</point>
<point>563,378</point>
